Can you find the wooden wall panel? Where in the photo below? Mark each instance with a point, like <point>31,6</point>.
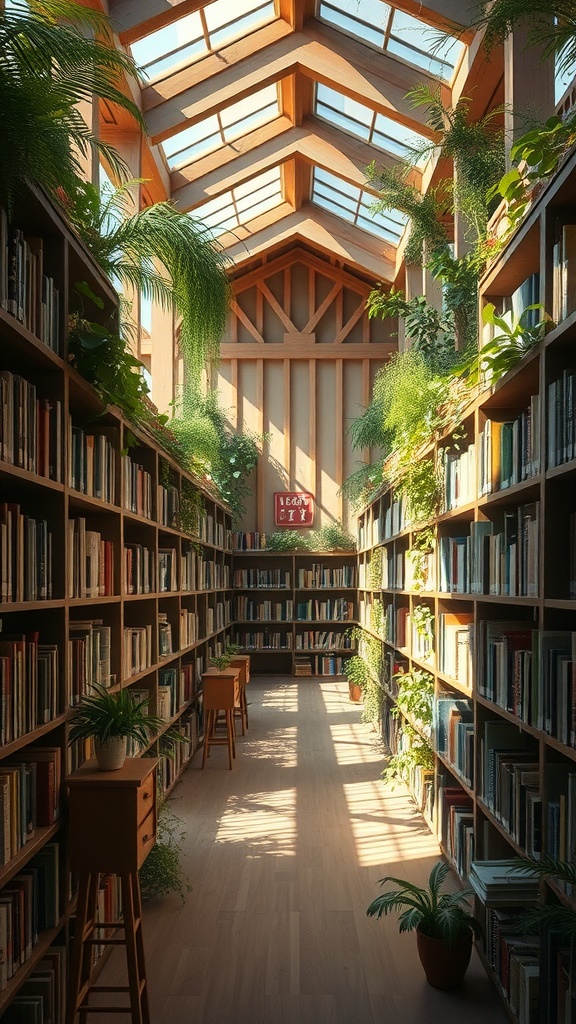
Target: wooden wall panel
<point>303,357</point>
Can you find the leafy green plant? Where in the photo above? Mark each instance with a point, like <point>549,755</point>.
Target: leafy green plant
<point>374,573</point>
<point>420,488</point>
<point>506,348</point>
<point>439,915</point>
<point>101,715</point>
<point>162,873</point>
<point>332,537</point>
<point>417,753</point>
<point>129,244</point>
<point>551,25</point>
<point>415,697</point>
<point>54,55</point>
<point>288,540</point>
<point>101,355</point>
<point>397,192</point>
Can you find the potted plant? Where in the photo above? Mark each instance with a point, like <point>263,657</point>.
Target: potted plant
<point>110,719</point>
<point>444,927</point>
<point>162,872</point>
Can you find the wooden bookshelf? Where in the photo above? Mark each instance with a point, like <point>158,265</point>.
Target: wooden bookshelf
<point>105,582</point>
<point>500,588</point>
<point>294,612</point>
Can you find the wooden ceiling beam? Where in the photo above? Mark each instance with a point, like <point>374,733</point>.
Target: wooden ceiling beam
<point>315,144</point>
<point>133,21</point>
<point>310,225</point>
<point>196,92</point>
<point>296,178</point>
<point>297,254</point>
<point>452,16</point>
<point>296,97</point>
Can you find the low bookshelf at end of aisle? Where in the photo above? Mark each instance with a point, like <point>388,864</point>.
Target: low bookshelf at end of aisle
<point>294,612</point>
<point>481,603</point>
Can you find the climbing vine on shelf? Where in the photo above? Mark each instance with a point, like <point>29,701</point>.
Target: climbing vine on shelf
<point>414,699</point>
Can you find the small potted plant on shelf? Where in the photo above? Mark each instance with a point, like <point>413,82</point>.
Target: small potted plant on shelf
<point>110,719</point>
<point>444,927</point>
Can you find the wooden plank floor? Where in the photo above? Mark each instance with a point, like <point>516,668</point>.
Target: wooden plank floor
<point>283,854</point>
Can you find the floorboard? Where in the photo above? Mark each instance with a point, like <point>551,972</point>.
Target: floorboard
<point>283,854</point>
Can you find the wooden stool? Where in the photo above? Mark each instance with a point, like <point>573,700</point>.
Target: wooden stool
<point>220,693</point>
<point>112,830</point>
<point>242,662</point>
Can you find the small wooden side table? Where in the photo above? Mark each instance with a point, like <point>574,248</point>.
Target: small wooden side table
<point>112,824</point>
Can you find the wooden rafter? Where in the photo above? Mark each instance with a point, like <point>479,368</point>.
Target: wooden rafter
<point>197,91</point>
<point>297,254</point>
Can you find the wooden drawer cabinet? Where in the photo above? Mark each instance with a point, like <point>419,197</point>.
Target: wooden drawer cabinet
<point>112,816</point>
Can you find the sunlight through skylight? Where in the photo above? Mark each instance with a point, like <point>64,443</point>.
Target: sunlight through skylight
<point>242,204</point>
<point>193,36</point>
<point>377,129</point>
<point>353,204</point>
<point>229,124</point>
<point>401,35</point>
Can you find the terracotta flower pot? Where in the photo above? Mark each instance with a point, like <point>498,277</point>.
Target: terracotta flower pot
<point>444,966</point>
<point>110,754</point>
<point>355,693</point>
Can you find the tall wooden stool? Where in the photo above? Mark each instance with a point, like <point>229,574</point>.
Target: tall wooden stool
<point>220,689</point>
<point>242,662</point>
<point>112,830</point>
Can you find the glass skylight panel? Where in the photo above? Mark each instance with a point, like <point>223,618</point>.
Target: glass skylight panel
<point>250,113</point>
<point>382,26</point>
<point>193,142</point>
<point>365,124</point>
<point>185,40</point>
<point>242,204</point>
<point>353,205</point>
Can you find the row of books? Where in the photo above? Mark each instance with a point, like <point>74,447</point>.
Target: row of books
<point>320,576</point>
<point>335,610</point>
<point>137,650</point>
<point>188,627</point>
<point>455,825</point>
<point>564,273</point>
<point>324,640</point>
<point>89,654</point>
<point>165,643</point>
<point>249,610</point>
<point>90,562</point>
<point>453,730</point>
<point>560,783</point>
<point>30,787</point>
<point>510,783</point>
<point>261,579</point>
<point>30,694</point>
<point>212,575</point>
<point>30,432</point>
<point>455,632</point>
<point>320,665</point>
<point>138,569</point>
<point>168,505</point>
<point>248,541</point>
<point>171,765</point>
<point>29,905</point>
<point>136,488</point>
<point>218,616</point>
<point>42,997</point>
<point>561,422</point>
<point>213,532</point>
<point>264,641</point>
<point>25,556</point>
<point>26,291</point>
<point>93,464</point>
<point>418,779</point>
<point>457,473</point>
<point>499,557</point>
<point>509,451</point>
<point>139,572</point>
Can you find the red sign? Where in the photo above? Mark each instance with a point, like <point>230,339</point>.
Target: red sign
<point>293,508</point>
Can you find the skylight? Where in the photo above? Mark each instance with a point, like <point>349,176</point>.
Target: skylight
<point>242,204</point>
<point>353,205</point>
<point>225,126</point>
<point>385,28</point>
<point>199,33</point>
<point>366,124</point>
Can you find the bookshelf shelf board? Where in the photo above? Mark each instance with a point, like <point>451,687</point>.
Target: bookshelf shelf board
<point>78,500</point>
<point>135,518</point>
<point>41,836</point>
<point>562,605</point>
<point>506,599</point>
<point>36,734</point>
<point>464,512</point>
<point>565,469</point>
<point>92,602</point>
<point>562,333</point>
<point>466,691</point>
<point>516,260</point>
<point>568,752</point>
<point>308,590</point>
<point>490,816</point>
<point>527,489</point>
<point>510,389</point>
<point>454,771</point>
<point>26,349</point>
<point>25,476</point>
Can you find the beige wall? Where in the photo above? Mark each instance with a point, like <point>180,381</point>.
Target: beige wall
<point>298,366</point>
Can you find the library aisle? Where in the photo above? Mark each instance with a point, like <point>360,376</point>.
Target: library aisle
<point>283,854</point>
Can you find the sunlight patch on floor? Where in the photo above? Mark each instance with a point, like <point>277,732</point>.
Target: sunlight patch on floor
<point>351,745</point>
<point>280,747</point>
<point>264,822</point>
<point>384,828</point>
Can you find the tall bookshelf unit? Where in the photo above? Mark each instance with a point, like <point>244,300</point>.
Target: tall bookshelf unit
<point>294,612</point>
<point>115,568</point>
<point>500,589</point>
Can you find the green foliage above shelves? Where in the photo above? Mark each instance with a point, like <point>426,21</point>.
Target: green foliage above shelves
<point>332,537</point>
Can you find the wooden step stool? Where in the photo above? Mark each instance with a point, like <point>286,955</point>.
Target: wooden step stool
<point>112,830</point>
<point>221,692</point>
